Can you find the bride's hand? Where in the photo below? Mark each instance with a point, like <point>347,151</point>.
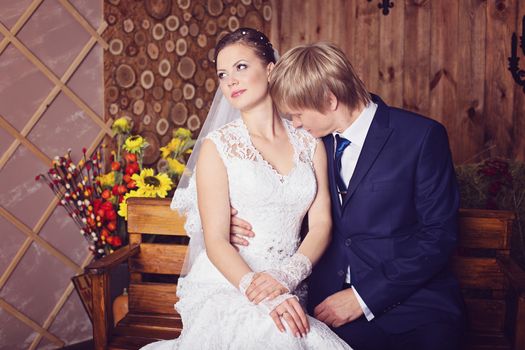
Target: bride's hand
<point>264,286</point>
<point>293,314</point>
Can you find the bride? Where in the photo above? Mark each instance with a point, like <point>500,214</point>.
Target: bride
<point>273,174</point>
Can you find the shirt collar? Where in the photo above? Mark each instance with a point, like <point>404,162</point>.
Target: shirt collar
<point>358,130</point>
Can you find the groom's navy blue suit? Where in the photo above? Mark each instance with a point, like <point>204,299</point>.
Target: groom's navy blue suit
<point>396,227</point>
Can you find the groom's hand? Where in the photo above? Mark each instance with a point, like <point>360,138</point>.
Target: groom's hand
<point>239,229</point>
<point>339,308</point>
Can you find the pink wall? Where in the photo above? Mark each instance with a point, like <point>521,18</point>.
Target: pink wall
<point>40,279</point>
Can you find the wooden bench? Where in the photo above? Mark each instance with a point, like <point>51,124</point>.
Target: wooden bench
<point>493,284</point>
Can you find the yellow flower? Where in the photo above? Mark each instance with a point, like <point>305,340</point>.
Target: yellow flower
<point>182,133</point>
<point>135,144</point>
<point>175,166</point>
<point>107,180</point>
<point>121,126</point>
<point>123,208</point>
<point>150,185</point>
<point>172,147</point>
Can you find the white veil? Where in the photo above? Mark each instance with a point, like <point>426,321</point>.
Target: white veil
<point>185,198</point>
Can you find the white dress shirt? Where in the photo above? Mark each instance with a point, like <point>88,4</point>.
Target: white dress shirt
<point>356,134</point>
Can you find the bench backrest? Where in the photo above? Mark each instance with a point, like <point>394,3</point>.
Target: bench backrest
<point>483,236</point>
<point>155,269</point>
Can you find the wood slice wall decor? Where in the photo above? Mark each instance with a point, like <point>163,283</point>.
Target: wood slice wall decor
<point>158,70</point>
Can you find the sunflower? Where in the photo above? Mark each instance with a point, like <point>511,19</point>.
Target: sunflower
<point>121,126</point>
<point>172,148</point>
<point>135,144</point>
<point>123,208</point>
<point>150,185</point>
<point>175,166</point>
<point>182,133</point>
<point>106,180</point>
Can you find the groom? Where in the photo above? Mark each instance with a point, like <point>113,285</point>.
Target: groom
<point>384,282</point>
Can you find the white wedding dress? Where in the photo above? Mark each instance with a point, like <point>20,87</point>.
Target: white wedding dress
<point>215,314</point>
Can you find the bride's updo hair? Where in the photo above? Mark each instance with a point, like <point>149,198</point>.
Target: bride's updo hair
<point>252,38</point>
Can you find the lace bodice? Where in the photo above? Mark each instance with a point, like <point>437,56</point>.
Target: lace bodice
<point>274,204</point>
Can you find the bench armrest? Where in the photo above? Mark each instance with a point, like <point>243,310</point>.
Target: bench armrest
<point>108,262</point>
<point>100,286</point>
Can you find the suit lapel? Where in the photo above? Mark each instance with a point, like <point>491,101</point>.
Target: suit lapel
<point>376,138</point>
<point>329,145</point>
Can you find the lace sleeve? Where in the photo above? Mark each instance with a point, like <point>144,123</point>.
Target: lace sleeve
<point>306,143</point>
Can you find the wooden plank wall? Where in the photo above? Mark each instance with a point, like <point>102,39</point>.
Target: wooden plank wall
<point>445,59</point>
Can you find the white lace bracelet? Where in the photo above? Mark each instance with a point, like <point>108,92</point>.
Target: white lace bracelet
<point>245,282</point>
<point>293,272</point>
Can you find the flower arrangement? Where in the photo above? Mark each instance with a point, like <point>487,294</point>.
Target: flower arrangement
<point>94,193</point>
<point>176,152</point>
<point>496,184</point>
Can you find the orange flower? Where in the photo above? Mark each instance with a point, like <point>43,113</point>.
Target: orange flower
<point>105,233</point>
<point>112,226</point>
<point>122,189</point>
<point>115,166</point>
<point>106,194</point>
<point>131,157</point>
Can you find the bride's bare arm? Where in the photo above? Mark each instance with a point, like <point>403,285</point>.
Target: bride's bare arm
<point>214,208</point>
<point>319,215</point>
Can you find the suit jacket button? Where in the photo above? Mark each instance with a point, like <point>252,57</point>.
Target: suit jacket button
<point>348,242</point>
<point>341,273</point>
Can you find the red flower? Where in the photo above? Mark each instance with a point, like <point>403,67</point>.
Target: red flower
<point>114,190</point>
<point>115,166</point>
<point>110,215</point>
<point>131,184</point>
<point>116,242</point>
<point>96,204</point>
<point>132,168</point>
<point>106,206</point>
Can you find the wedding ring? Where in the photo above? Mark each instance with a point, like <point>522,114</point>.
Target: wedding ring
<point>284,312</point>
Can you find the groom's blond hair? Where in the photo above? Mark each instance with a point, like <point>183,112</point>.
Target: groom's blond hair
<point>303,77</point>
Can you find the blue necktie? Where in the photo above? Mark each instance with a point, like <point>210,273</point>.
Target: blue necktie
<point>341,144</point>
